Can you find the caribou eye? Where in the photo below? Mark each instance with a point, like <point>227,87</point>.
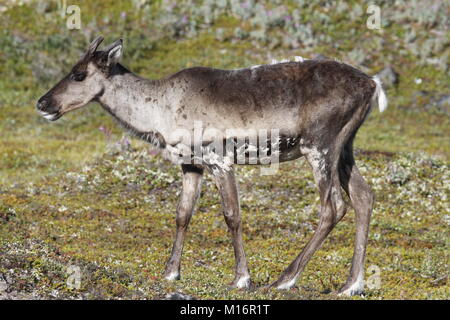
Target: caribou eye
<point>78,76</point>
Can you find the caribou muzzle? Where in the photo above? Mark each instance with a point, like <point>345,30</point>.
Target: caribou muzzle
<point>47,109</point>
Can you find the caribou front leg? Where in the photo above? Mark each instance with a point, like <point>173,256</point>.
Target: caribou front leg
<point>192,177</point>
<point>227,186</point>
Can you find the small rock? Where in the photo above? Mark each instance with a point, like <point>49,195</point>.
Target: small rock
<point>389,77</point>
<point>178,296</point>
<point>398,175</point>
<point>3,286</point>
<point>421,94</point>
<point>430,101</point>
<point>442,103</point>
<point>320,57</point>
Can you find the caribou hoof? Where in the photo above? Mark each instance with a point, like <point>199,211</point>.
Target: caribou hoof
<point>355,289</point>
<point>242,283</point>
<point>172,276</point>
<point>283,285</point>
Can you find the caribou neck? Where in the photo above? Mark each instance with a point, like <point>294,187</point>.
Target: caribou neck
<point>136,103</point>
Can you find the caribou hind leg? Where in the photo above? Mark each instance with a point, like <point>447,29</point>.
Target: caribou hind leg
<point>227,187</point>
<point>332,210</point>
<point>362,200</point>
<point>325,160</point>
<point>192,177</point>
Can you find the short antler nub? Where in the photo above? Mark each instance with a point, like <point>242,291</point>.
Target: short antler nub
<point>112,45</point>
<point>94,44</point>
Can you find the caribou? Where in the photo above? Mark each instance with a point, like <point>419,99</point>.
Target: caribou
<point>315,107</point>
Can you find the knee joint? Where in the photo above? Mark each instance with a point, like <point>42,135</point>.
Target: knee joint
<point>183,216</point>
<point>232,219</point>
<point>368,197</point>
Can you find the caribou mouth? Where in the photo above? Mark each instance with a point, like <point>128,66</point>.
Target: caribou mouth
<point>50,116</point>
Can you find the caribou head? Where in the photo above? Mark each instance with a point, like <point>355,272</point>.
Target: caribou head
<point>84,83</point>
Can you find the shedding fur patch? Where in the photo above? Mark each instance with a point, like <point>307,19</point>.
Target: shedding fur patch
<point>294,59</point>
<point>316,159</point>
<point>275,61</point>
<point>221,155</point>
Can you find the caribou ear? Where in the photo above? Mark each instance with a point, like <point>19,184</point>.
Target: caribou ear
<point>94,45</point>
<point>114,52</point>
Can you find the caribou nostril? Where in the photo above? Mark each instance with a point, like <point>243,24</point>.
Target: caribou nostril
<point>41,104</point>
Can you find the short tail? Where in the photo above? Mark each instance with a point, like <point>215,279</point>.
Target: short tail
<point>379,95</point>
